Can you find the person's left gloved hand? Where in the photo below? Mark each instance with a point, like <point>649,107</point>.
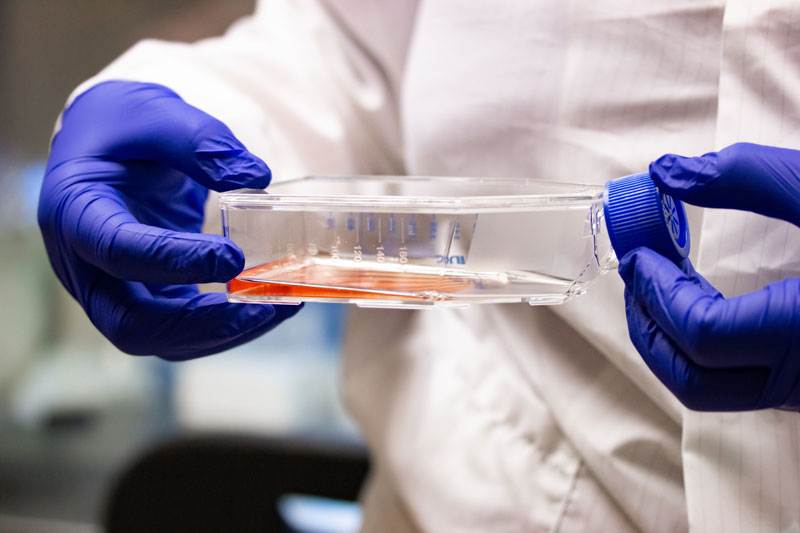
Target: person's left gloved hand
<point>121,209</point>
<point>716,353</point>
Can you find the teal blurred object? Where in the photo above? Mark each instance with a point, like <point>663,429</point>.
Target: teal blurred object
<point>26,283</point>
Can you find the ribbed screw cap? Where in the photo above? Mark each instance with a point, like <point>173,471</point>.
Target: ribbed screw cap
<point>638,214</point>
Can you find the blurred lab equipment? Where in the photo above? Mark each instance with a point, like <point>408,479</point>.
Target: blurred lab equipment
<point>218,482</point>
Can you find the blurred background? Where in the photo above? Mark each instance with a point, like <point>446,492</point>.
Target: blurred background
<point>74,412</point>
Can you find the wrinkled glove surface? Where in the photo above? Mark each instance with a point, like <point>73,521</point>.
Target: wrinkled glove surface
<point>121,209</point>
<point>716,353</point>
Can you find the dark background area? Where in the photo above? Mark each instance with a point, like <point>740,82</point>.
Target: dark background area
<point>48,47</point>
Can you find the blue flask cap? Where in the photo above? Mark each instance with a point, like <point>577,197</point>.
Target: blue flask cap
<point>638,214</point>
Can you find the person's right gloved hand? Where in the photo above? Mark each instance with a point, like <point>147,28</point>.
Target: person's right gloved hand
<point>716,353</point>
<point>121,209</point>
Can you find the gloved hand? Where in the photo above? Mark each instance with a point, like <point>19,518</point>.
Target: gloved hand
<point>120,211</point>
<point>713,353</point>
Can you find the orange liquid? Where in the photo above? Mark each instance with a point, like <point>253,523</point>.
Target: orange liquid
<point>282,279</point>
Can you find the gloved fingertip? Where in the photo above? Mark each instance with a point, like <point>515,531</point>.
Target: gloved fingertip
<point>251,172</point>
<point>666,169</point>
<point>229,165</point>
<point>627,266</point>
<point>665,162</point>
<point>251,316</point>
<point>642,268</point>
<point>287,311</point>
<point>679,175</point>
<point>227,263</point>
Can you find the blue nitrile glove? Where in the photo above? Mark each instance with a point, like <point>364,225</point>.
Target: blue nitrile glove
<point>713,353</point>
<point>120,211</point>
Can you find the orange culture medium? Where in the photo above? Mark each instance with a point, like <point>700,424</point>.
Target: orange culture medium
<point>314,280</point>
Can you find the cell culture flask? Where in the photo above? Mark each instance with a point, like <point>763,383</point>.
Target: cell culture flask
<point>399,241</point>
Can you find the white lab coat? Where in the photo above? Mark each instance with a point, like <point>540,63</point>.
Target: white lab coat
<point>511,418</point>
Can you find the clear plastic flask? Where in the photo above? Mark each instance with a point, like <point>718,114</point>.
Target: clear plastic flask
<point>392,241</point>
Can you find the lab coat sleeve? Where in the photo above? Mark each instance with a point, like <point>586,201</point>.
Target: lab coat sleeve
<point>297,82</point>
